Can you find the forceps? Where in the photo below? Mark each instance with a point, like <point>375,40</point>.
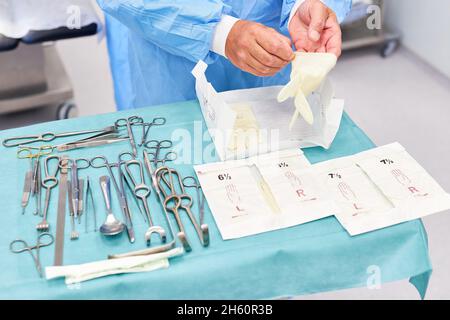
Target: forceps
<point>128,123</point>
<point>142,191</point>
<point>48,136</point>
<point>191,182</point>
<point>49,182</point>
<point>146,126</point>
<point>43,240</point>
<point>73,165</point>
<point>31,183</point>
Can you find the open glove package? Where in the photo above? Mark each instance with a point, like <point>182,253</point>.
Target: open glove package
<point>367,191</point>
<point>246,122</point>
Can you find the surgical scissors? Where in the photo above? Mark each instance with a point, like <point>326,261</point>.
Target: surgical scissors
<point>128,123</point>
<point>49,182</point>
<point>146,126</point>
<point>49,136</point>
<point>142,191</point>
<point>43,240</point>
<point>157,146</point>
<point>191,182</point>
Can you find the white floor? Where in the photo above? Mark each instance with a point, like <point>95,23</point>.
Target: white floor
<point>395,99</point>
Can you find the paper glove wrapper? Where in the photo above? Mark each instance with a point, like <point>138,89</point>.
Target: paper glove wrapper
<point>308,72</point>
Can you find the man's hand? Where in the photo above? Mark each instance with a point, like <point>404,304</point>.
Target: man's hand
<point>315,28</point>
<point>257,49</point>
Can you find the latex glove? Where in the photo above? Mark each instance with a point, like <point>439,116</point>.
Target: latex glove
<point>257,49</point>
<point>97,269</point>
<point>308,71</point>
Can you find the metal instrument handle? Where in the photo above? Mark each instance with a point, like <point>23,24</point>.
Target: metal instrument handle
<point>105,184</point>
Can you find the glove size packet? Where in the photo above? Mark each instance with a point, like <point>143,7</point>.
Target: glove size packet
<point>263,193</point>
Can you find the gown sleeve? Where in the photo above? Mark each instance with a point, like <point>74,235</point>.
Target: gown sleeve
<point>181,27</point>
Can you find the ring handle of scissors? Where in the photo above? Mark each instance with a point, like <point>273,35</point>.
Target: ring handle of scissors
<point>45,239</point>
<point>159,121</point>
<point>190,182</point>
<point>158,144</point>
<point>135,120</point>
<point>170,156</point>
<point>26,152</point>
<point>19,246</point>
<point>125,156</point>
<point>95,162</point>
<point>85,163</point>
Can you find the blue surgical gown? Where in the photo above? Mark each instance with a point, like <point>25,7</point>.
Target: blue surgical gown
<point>154,44</point>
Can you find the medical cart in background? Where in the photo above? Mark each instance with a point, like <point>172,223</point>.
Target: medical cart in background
<point>357,34</point>
<point>32,74</point>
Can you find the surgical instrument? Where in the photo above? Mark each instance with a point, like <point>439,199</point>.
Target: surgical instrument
<point>73,165</point>
<point>73,233</point>
<point>142,191</point>
<point>146,126</point>
<point>81,200</point>
<point>191,182</point>
<point>48,183</point>
<point>36,186</point>
<point>128,123</point>
<point>101,161</point>
<point>90,199</point>
<point>26,190</point>
<point>31,183</point>
<point>176,199</point>
<point>111,226</point>
<point>61,215</point>
<point>43,240</point>
<point>155,147</point>
<point>154,157</point>
<point>105,140</point>
<point>49,136</point>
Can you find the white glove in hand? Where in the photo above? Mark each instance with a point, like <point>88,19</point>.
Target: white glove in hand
<point>309,69</point>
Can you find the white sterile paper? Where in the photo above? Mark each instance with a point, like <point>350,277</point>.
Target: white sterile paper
<point>380,187</point>
<point>404,183</point>
<point>356,196</point>
<point>18,17</point>
<point>263,193</point>
<point>268,119</point>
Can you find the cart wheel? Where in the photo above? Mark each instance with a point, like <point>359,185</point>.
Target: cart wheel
<point>66,110</point>
<point>388,48</point>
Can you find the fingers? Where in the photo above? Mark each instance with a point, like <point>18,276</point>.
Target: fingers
<point>333,37</point>
<point>265,58</point>
<point>276,44</point>
<point>262,69</point>
<point>318,14</point>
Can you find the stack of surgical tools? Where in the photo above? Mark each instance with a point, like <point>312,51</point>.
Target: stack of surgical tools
<point>147,168</point>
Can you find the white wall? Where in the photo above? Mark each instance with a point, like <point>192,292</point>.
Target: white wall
<point>425,27</point>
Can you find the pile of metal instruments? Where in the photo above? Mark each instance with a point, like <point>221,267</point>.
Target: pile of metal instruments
<point>133,181</point>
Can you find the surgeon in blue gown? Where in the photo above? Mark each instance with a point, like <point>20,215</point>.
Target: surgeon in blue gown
<point>154,44</point>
